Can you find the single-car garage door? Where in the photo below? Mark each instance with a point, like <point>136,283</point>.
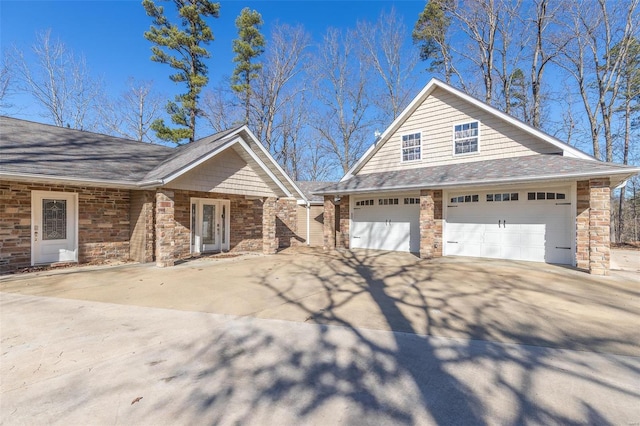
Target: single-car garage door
<point>386,223</point>
<point>534,225</point>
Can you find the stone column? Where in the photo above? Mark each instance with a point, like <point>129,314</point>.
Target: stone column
<point>599,226</point>
<point>329,217</point>
<point>582,225</point>
<point>141,247</point>
<point>165,226</point>
<point>269,240</point>
<point>427,223</point>
<point>437,223</point>
<point>344,222</point>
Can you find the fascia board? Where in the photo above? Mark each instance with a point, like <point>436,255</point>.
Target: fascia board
<point>68,180</point>
<point>274,163</point>
<point>515,122</point>
<point>263,166</point>
<point>624,172</point>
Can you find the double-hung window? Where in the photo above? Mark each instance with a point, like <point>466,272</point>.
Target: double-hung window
<point>411,147</point>
<point>465,137</point>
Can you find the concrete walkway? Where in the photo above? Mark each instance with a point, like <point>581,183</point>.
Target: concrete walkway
<point>80,362</point>
<point>314,338</point>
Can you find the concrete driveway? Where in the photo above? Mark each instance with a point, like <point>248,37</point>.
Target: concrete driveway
<point>312,337</point>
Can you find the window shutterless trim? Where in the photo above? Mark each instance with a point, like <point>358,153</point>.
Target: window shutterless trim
<point>453,138</point>
<point>402,148</point>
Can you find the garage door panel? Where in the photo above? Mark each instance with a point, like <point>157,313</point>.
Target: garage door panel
<point>386,227</point>
<point>522,229</point>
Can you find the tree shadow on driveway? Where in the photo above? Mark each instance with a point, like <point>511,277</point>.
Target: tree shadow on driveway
<point>256,371</point>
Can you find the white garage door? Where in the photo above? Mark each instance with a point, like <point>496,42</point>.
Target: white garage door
<point>386,223</point>
<point>533,225</point>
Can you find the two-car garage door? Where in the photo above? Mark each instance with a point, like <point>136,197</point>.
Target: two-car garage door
<point>530,225</point>
<point>534,225</point>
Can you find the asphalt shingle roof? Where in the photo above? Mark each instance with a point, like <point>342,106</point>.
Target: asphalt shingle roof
<point>187,154</point>
<point>308,187</point>
<point>505,170</point>
<point>40,149</point>
<point>33,148</point>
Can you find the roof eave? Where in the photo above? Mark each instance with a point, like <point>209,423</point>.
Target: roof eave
<point>622,175</point>
<point>109,183</point>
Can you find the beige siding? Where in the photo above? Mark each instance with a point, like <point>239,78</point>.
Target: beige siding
<point>226,173</point>
<point>316,224</point>
<point>435,118</point>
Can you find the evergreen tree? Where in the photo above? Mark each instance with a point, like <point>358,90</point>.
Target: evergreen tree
<point>430,32</point>
<point>247,47</point>
<point>185,42</point>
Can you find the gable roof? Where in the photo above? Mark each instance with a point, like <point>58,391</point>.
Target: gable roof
<point>40,151</point>
<point>533,168</point>
<point>434,84</point>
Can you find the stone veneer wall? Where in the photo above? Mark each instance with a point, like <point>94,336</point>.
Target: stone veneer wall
<point>142,228</point>
<point>103,223</point>
<point>593,248</point>
<point>269,239</point>
<point>287,221</point>
<point>582,225</point>
<point>245,221</point>
<point>430,223</point>
<point>343,234</point>
<point>329,232</point>
<point>437,216</point>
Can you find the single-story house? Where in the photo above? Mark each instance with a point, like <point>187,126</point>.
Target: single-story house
<point>75,196</point>
<point>453,176</point>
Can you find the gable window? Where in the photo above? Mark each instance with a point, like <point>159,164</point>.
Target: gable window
<point>411,147</point>
<point>465,137</point>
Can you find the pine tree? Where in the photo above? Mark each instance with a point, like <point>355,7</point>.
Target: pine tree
<point>247,47</point>
<point>430,32</point>
<point>185,42</point>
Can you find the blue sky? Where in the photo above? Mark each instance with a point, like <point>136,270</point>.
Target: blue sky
<point>110,33</point>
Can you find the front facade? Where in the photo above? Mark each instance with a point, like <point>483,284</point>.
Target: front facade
<point>72,196</point>
<point>453,176</point>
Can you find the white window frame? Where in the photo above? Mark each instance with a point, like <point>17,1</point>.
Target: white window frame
<point>453,137</point>
<point>402,148</point>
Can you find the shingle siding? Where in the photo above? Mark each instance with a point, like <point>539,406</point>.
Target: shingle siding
<point>227,173</point>
<point>435,118</point>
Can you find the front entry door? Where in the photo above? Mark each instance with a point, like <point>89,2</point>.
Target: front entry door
<point>53,227</point>
<point>209,225</point>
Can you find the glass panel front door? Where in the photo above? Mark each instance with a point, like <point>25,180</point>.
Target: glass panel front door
<point>210,228</point>
<point>209,225</point>
<point>54,227</point>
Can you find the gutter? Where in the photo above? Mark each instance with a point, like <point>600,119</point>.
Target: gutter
<point>50,179</point>
<point>481,183</point>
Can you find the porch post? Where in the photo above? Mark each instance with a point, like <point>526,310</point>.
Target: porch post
<point>329,228</point>
<point>269,241</point>
<point>165,226</point>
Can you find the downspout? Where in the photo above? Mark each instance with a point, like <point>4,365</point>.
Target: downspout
<point>308,219</point>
